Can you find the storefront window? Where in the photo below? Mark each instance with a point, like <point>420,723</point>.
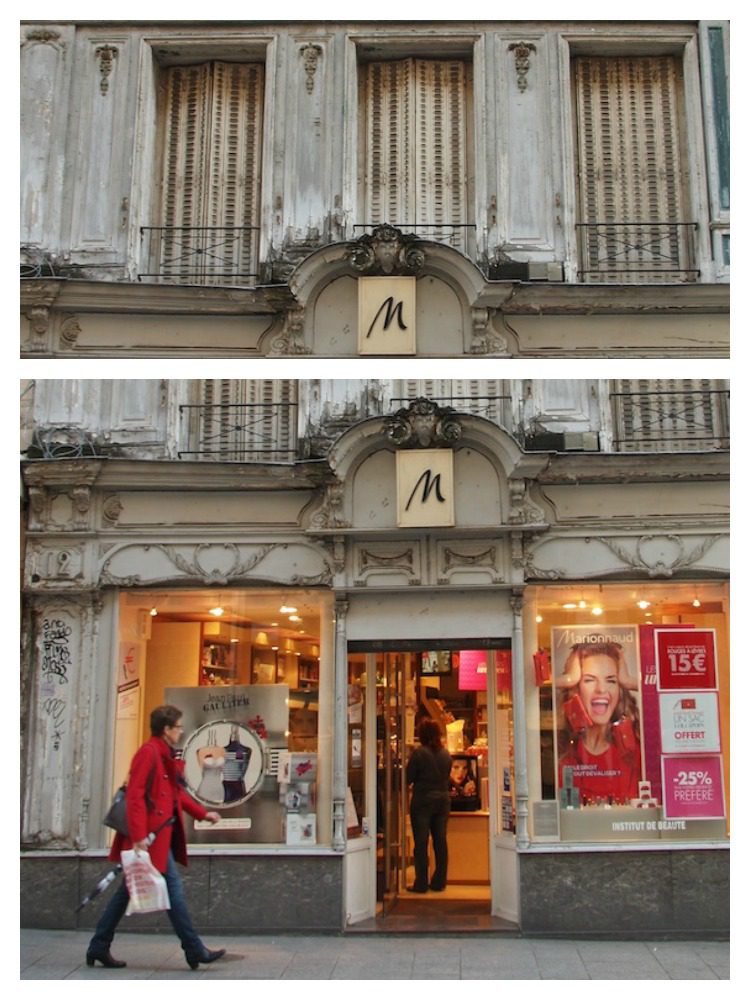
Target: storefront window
<point>252,673</point>
<point>632,713</point>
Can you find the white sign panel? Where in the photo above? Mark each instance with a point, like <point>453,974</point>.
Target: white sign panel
<point>387,316</point>
<point>689,722</point>
<point>424,480</point>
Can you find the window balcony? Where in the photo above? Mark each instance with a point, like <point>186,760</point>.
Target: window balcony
<point>674,420</point>
<point>201,255</point>
<point>639,252</point>
<point>240,432</point>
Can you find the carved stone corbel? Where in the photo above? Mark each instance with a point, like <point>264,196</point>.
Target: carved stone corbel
<point>485,340</point>
<point>111,510</point>
<point>291,338</point>
<point>69,333</point>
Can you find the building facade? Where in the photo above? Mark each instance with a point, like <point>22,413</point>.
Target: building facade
<point>254,189</point>
<point>310,567</point>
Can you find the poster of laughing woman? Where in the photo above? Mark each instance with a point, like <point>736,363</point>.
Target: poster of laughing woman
<point>597,707</point>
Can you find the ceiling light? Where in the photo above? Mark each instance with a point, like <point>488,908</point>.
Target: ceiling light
<point>696,603</point>
<point>217,612</point>
<point>596,610</point>
<point>539,619</point>
<point>287,609</point>
<point>294,618</point>
<point>643,604</point>
<point>570,607</point>
<point>153,612</point>
<point>581,604</point>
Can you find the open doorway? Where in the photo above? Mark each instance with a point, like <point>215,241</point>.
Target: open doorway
<point>391,689</point>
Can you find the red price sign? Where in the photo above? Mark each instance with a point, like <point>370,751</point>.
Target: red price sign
<point>686,660</point>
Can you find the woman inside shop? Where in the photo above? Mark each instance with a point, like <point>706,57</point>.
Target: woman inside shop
<point>428,772</point>
<point>600,752</point>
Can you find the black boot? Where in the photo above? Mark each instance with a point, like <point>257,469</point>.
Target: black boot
<point>106,960</point>
<point>210,956</point>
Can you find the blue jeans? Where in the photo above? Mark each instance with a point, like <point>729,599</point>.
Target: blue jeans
<point>178,914</point>
<point>429,818</point>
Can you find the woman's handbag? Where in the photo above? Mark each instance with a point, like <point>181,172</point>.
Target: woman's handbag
<point>117,816</point>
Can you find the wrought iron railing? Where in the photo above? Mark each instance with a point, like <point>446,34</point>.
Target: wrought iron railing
<point>201,255</point>
<point>240,432</point>
<point>498,409</point>
<point>671,420</point>
<point>461,236</point>
<point>637,251</point>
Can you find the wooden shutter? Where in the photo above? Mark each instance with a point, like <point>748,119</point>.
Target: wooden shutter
<point>629,163</point>
<point>670,415</point>
<point>416,146</point>
<point>211,178</point>
<point>250,419</point>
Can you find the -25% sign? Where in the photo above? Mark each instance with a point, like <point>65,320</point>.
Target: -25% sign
<point>690,778</point>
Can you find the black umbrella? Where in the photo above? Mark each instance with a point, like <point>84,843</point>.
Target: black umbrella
<point>104,883</point>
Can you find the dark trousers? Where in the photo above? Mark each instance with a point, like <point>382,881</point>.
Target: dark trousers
<point>429,818</point>
<point>178,914</point>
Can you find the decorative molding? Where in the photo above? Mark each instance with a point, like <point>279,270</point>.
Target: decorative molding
<point>45,36</point>
<point>423,424</point>
<point>400,563</point>
<point>452,560</point>
<point>669,556</point>
<point>651,554</point>
<point>522,52</point>
<point>387,251</point>
<point>203,562</point>
<point>106,54</point>
<point>310,55</point>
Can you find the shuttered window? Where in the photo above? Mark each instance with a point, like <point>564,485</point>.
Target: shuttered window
<point>670,414</point>
<point>633,223</point>
<point>416,147</point>
<point>210,203</point>
<point>489,398</point>
<point>246,420</point>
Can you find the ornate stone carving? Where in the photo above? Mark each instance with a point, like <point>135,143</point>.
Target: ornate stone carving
<point>69,333</point>
<point>486,559</point>
<point>111,509</point>
<point>46,36</point>
<point>522,52</point>
<point>81,497</point>
<point>208,562</point>
<point>522,509</point>
<point>39,324</point>
<point>106,54</point>
<point>387,251</point>
<point>485,340</point>
<point>310,55</point>
<point>400,563</point>
<point>291,338</point>
<point>330,514</point>
<point>423,424</point>
<point>658,555</point>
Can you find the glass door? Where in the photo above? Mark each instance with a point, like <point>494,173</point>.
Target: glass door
<point>391,774</point>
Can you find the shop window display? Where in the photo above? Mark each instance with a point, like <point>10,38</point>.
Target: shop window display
<point>246,672</point>
<point>633,716</point>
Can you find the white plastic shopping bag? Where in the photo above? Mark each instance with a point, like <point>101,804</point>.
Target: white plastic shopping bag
<point>146,885</point>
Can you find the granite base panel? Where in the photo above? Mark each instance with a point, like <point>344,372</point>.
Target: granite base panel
<point>637,893</point>
<point>224,894</point>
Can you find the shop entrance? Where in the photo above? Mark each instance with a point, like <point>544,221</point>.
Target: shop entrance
<point>393,687</point>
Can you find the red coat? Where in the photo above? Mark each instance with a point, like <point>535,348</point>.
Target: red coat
<point>154,775</point>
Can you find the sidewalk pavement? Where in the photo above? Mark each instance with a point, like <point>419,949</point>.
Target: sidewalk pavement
<point>58,954</point>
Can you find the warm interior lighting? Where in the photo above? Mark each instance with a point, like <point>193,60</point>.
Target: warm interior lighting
<point>539,619</point>
<point>644,604</point>
<point>217,612</point>
<point>596,610</point>
<point>294,618</point>
<point>287,609</point>
<point>570,607</point>
<point>153,612</point>
<point>696,603</point>
<point>581,604</point>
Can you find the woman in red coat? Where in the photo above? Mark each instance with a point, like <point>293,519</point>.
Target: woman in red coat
<point>155,800</point>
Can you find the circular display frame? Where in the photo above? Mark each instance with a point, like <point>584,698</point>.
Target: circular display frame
<point>224,763</point>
